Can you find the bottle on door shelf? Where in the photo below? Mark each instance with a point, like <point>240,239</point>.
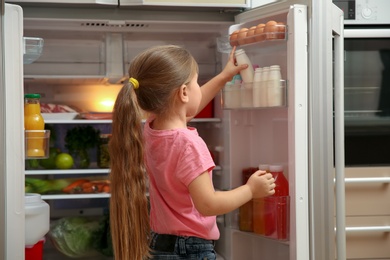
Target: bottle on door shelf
<point>274,90</point>
<point>264,88</point>
<point>248,73</point>
<point>246,210</point>
<point>33,121</point>
<point>276,219</point>
<point>257,87</point>
<point>258,209</point>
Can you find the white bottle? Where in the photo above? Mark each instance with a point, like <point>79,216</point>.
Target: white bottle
<point>257,87</point>
<point>264,87</point>
<point>274,89</point>
<point>242,58</point>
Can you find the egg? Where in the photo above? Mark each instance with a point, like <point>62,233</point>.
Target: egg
<point>233,38</point>
<point>259,32</point>
<point>242,35</point>
<point>271,30</point>
<point>281,30</point>
<point>250,35</point>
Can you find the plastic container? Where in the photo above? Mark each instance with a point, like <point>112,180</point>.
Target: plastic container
<point>276,207</point>
<point>274,89</point>
<point>103,155</point>
<point>246,210</point>
<point>258,209</point>
<point>246,95</point>
<point>232,95</point>
<point>37,219</point>
<point>248,73</point>
<point>257,87</point>
<point>34,252</point>
<point>37,139</point>
<point>263,87</point>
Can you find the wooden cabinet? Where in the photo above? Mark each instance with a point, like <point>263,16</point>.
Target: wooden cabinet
<point>367,212</point>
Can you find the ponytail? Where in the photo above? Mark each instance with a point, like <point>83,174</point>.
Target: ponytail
<point>129,217</point>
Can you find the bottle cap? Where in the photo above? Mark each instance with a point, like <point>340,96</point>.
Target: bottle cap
<point>32,95</point>
<point>275,168</point>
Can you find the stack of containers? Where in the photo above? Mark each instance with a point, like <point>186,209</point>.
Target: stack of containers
<point>254,87</point>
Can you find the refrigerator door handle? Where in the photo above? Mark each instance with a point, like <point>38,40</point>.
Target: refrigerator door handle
<point>338,34</point>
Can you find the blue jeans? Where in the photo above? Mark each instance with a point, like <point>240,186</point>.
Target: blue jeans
<point>169,247</point>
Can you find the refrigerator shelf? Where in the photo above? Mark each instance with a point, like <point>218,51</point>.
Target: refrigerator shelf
<point>251,96</point>
<point>78,171</point>
<point>86,121</point>
<point>32,49</point>
<point>70,171</point>
<point>76,196</point>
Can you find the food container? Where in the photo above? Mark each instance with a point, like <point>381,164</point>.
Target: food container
<point>103,155</point>
<point>37,140</point>
<point>37,218</point>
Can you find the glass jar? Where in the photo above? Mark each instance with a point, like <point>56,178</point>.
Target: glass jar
<point>103,155</point>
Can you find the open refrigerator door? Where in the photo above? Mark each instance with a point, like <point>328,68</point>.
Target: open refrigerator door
<point>12,134</point>
<point>264,132</point>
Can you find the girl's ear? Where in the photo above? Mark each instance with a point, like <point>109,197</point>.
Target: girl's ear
<point>183,93</point>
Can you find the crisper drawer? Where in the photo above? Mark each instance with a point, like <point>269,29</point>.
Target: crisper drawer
<point>367,191</point>
<point>368,237</point>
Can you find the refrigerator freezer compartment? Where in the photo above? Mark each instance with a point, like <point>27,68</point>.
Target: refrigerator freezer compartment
<point>32,49</point>
<point>253,95</point>
<point>252,36</point>
<point>37,144</point>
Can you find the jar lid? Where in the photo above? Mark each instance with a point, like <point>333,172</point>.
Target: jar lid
<point>32,198</point>
<point>276,168</point>
<point>32,95</point>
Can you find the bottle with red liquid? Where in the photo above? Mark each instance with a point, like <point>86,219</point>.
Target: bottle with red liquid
<point>246,210</point>
<point>276,219</point>
<point>258,209</point>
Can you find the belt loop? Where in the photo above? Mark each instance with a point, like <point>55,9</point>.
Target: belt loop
<point>182,246</point>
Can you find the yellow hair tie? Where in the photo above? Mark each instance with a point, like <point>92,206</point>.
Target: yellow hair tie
<point>134,82</point>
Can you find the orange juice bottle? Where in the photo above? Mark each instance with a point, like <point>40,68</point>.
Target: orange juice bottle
<point>33,121</point>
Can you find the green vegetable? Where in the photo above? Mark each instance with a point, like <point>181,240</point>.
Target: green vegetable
<point>50,163</point>
<point>34,185</point>
<point>73,236</point>
<point>79,139</point>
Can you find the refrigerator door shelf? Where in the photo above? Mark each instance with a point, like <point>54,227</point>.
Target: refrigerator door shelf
<point>263,40</point>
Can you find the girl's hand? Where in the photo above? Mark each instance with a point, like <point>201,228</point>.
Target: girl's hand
<point>262,184</point>
<point>231,69</point>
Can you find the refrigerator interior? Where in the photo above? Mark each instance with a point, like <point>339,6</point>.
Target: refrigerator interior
<point>84,62</point>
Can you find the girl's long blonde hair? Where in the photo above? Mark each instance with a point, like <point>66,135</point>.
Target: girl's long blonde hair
<point>160,71</point>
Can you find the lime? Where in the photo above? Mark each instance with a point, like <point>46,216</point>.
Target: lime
<point>64,161</point>
<point>50,163</point>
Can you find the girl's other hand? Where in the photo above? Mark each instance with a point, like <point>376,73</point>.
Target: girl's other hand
<point>262,184</point>
<point>231,69</point>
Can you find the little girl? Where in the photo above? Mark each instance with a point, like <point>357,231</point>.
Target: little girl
<point>183,202</point>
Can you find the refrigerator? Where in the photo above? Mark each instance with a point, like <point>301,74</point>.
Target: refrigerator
<point>90,46</point>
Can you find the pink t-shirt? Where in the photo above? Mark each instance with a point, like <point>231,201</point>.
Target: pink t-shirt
<point>174,158</point>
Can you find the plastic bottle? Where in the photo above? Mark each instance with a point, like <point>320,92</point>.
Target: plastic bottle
<point>276,219</point>
<point>258,209</point>
<point>263,87</point>
<point>246,210</point>
<point>257,87</point>
<point>248,73</point>
<point>33,120</point>
<point>274,90</point>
